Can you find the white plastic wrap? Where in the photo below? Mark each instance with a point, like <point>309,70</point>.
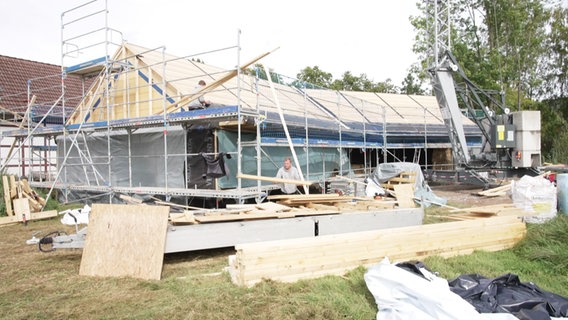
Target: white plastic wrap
<point>535,194</point>
<point>401,295</point>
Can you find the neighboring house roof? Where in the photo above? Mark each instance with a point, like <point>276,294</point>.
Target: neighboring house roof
<point>44,81</point>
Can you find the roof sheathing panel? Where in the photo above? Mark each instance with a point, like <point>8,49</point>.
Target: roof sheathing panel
<point>391,114</point>
<point>336,105</point>
<point>412,111</point>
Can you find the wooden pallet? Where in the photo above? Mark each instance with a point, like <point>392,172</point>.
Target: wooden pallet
<point>402,178</point>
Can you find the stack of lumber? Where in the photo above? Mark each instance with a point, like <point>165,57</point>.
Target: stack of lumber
<point>294,259</point>
<point>22,202</point>
<point>265,210</point>
<point>288,206</point>
<point>341,203</point>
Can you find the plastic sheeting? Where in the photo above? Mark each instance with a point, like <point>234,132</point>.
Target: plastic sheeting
<point>422,190</point>
<point>322,161</point>
<point>145,166</point>
<point>402,295</point>
<point>507,293</point>
<point>73,217</point>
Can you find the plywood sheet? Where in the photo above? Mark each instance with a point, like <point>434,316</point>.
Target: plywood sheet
<point>125,241</point>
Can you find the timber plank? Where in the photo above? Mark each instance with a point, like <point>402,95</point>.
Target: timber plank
<point>13,187</point>
<point>274,180</point>
<point>392,246</point>
<point>307,197</point>
<point>434,232</point>
<point>245,216</point>
<point>5,221</point>
<point>7,196</point>
<point>290,260</point>
<point>187,217</point>
<point>272,206</point>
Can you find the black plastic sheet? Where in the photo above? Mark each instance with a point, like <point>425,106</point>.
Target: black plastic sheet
<point>508,294</point>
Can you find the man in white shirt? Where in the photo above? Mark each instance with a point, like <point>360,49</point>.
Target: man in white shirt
<point>201,102</point>
<point>290,173</point>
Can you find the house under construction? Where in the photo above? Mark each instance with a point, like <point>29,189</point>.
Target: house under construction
<point>139,129</point>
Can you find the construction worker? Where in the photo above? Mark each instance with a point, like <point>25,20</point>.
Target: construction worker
<point>289,172</point>
<point>201,102</point>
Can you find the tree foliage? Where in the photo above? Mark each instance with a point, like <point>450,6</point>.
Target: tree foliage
<point>555,84</point>
<point>314,77</point>
<point>258,71</point>
<point>518,47</point>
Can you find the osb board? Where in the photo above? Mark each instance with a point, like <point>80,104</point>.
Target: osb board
<point>125,240</point>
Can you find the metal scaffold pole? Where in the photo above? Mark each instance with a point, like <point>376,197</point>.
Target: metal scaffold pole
<point>239,115</point>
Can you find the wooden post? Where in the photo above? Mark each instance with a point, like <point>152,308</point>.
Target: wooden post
<point>7,197</point>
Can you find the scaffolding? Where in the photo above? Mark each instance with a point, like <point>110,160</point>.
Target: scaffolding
<point>146,92</point>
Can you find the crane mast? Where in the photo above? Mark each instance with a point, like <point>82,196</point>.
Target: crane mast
<point>510,140</point>
<point>440,71</point>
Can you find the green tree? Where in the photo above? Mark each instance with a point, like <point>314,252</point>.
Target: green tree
<point>498,43</point>
<point>554,121</point>
<point>315,77</point>
<point>555,84</point>
<point>413,82</point>
<point>258,71</point>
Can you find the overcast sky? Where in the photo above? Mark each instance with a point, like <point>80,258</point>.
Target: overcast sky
<point>362,36</point>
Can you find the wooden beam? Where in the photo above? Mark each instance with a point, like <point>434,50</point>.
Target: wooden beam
<point>14,114</point>
<point>275,180</point>
<point>7,197</point>
<point>285,127</point>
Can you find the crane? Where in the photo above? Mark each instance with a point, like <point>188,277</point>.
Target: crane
<point>511,140</point>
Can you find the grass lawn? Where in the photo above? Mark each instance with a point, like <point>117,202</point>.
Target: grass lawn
<point>195,285</point>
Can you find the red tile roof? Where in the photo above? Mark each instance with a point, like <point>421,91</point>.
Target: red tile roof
<point>45,82</point>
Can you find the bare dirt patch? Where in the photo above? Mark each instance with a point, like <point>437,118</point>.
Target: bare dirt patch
<point>465,195</point>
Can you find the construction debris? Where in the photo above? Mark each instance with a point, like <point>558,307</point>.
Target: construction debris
<point>496,192</point>
<point>286,206</point>
<point>22,202</point>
